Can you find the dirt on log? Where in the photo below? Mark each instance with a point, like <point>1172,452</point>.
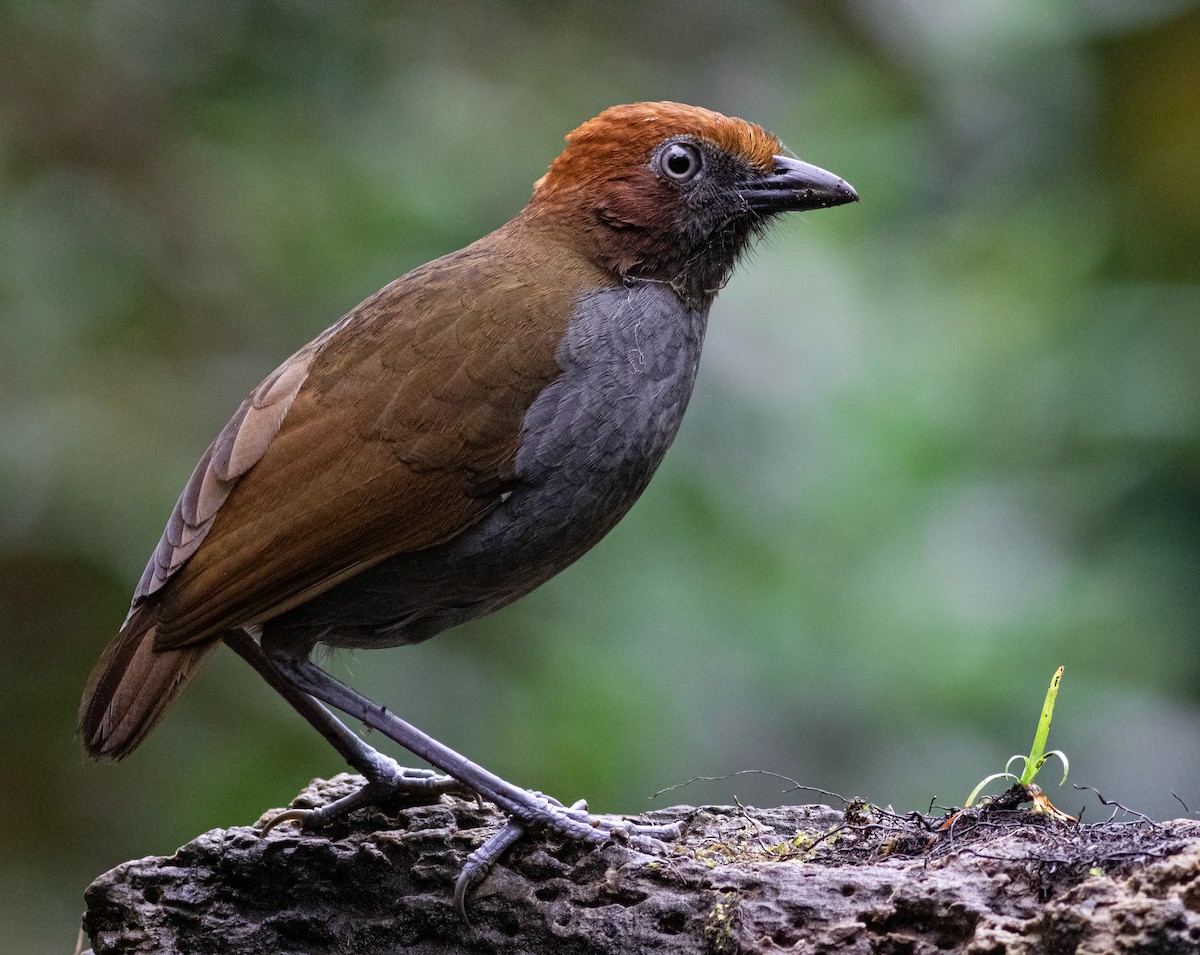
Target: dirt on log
<point>807,879</point>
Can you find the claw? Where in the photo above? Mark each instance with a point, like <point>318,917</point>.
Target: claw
<point>479,863</point>
<point>288,815</point>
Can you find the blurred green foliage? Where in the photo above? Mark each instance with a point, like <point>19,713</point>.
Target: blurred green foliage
<point>943,441</point>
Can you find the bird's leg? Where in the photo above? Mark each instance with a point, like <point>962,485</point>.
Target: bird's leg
<point>527,810</point>
<point>385,777</point>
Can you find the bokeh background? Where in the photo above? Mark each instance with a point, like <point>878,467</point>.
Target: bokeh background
<point>943,441</point>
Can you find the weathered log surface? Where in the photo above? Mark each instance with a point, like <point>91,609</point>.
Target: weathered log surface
<point>806,879</point>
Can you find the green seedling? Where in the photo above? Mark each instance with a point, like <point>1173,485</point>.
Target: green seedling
<point>1038,756</point>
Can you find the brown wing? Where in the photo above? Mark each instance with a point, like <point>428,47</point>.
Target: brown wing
<point>389,433</point>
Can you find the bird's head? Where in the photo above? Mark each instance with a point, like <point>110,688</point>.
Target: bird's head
<point>672,193</point>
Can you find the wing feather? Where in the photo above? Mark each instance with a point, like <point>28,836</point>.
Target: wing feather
<point>375,439</point>
<point>241,443</point>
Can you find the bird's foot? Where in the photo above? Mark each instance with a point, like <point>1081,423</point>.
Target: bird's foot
<point>387,780</point>
<point>543,813</point>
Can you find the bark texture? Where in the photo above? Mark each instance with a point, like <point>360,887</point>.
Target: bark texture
<point>807,879</point>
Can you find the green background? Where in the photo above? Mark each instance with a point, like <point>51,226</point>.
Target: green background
<point>942,442</point>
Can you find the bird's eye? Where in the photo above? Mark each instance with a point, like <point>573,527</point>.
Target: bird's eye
<point>679,161</point>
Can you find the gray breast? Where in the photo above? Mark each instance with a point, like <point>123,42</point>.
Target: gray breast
<point>591,441</point>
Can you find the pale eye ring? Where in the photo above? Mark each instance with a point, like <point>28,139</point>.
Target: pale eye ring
<point>679,161</point>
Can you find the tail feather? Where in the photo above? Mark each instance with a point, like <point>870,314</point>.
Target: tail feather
<point>131,688</point>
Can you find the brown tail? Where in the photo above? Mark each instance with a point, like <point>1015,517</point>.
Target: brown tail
<point>132,686</point>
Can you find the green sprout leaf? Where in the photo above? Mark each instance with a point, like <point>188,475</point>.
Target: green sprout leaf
<point>1038,755</point>
<point>983,782</point>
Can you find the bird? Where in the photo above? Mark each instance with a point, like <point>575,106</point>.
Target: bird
<point>450,444</point>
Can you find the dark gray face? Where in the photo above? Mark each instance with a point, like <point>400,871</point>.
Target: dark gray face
<point>693,209</point>
<point>712,221</point>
